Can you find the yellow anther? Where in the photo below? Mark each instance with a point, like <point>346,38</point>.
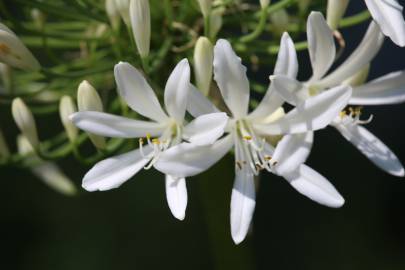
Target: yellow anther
<point>267,158</point>
<point>156,141</point>
<point>148,136</point>
<point>4,49</point>
<point>342,114</point>
<point>140,141</point>
<point>248,138</point>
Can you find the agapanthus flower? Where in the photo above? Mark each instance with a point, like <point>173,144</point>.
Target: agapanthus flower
<point>385,90</point>
<point>247,133</point>
<point>163,131</point>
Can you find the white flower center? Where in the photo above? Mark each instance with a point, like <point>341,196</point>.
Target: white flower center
<point>351,116</point>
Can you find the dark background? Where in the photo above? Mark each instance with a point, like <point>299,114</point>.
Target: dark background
<point>132,228</point>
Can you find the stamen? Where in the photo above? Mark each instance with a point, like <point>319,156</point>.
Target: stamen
<point>247,138</point>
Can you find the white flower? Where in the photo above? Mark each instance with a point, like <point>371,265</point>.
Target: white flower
<point>386,90</point>
<point>14,53</point>
<point>388,14</point>
<point>168,129</point>
<point>247,133</point>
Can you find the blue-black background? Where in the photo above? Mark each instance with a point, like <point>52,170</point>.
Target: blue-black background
<point>132,228</point>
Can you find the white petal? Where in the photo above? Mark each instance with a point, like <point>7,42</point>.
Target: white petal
<point>177,90</point>
<point>389,89</point>
<point>230,75</point>
<point>51,175</point>
<point>291,90</point>
<point>176,195</point>
<point>198,104</point>
<point>109,125</point>
<point>243,202</point>
<point>321,45</point>
<point>113,172</point>
<point>316,187</point>
<point>375,150</point>
<point>206,129</point>
<point>388,14</point>
<point>361,57</point>
<point>292,151</point>
<point>186,159</point>
<point>269,104</point>
<point>287,62</point>
<point>135,90</point>
<point>313,114</point>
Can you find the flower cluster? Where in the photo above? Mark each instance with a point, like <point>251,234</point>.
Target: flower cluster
<point>197,127</point>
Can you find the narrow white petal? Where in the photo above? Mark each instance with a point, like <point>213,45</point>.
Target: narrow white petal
<point>321,45</point>
<point>113,172</point>
<point>291,90</point>
<point>186,159</point>
<point>375,150</point>
<point>230,75</point>
<point>243,202</point>
<point>135,90</point>
<point>314,186</point>
<point>268,105</point>
<point>365,52</point>
<point>198,104</point>
<point>206,129</point>
<point>51,175</point>
<point>292,151</point>
<point>177,90</point>
<point>176,195</point>
<point>287,62</point>
<point>109,125</point>
<point>389,89</point>
<point>313,114</point>
<point>388,14</point>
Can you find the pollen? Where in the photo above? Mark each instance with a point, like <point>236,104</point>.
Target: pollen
<point>156,141</point>
<point>148,136</point>
<point>342,114</point>
<point>267,158</point>
<point>247,138</point>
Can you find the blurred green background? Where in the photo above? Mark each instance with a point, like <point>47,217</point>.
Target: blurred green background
<point>132,228</point>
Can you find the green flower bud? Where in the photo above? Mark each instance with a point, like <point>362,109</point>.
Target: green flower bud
<point>203,59</point>
<point>66,108</point>
<point>140,21</point>
<point>25,121</point>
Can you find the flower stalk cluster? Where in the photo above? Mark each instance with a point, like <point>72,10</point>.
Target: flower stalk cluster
<point>146,110</point>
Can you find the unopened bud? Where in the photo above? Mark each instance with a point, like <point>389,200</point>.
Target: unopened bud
<point>123,8</point>
<point>205,6</point>
<point>5,72</point>
<point>14,53</point>
<point>203,59</point>
<point>280,21</point>
<point>48,172</point>
<point>140,21</point>
<point>264,3</point>
<point>38,17</point>
<point>335,11</point>
<point>66,108</point>
<point>4,151</point>
<point>89,100</point>
<point>113,14</point>
<point>25,121</point>
<point>359,78</point>
<point>216,21</point>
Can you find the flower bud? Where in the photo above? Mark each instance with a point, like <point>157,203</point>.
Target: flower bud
<point>89,100</point>
<point>4,151</point>
<point>335,11</point>
<point>140,21</point>
<point>123,8</point>
<point>264,3</point>
<point>38,17</point>
<point>205,6</point>
<point>216,21</point>
<point>280,21</point>
<point>66,108</point>
<point>14,53</point>
<point>113,13</point>
<point>48,172</point>
<point>359,78</point>
<point>203,59</point>
<point>25,121</point>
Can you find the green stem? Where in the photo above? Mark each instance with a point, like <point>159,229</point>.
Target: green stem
<point>259,28</point>
<point>355,19</point>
